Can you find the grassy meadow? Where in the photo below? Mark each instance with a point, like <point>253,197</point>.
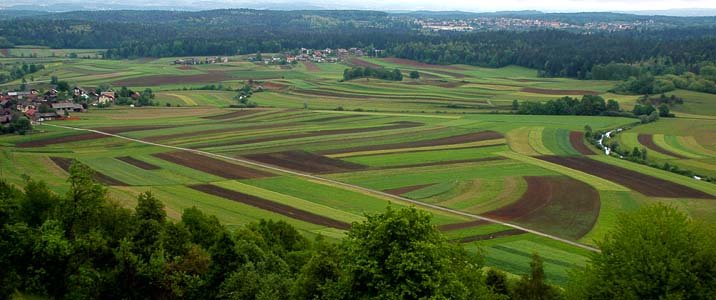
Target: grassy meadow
<point>435,140</point>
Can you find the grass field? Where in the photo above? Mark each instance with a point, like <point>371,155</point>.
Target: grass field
<point>430,140</point>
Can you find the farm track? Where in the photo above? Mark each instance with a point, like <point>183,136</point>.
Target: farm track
<point>347,186</point>
<point>271,206</point>
<point>65,164</point>
<point>642,183</point>
<point>577,141</point>
<point>138,163</point>
<point>648,141</point>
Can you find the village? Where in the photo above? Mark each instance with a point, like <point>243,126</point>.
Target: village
<point>326,55</point>
<point>38,106</point>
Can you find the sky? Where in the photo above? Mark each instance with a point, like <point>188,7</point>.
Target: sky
<point>544,5</point>
<point>463,5</point>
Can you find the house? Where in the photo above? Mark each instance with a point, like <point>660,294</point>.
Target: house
<point>46,116</point>
<point>62,107</point>
<point>4,119</point>
<point>106,97</point>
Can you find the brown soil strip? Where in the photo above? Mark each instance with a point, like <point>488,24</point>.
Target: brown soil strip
<point>642,183</point>
<point>447,162</point>
<point>305,161</point>
<point>208,77</point>
<point>61,140</point>
<point>5,52</point>
<point>279,208</point>
<point>214,131</point>
<point>232,115</point>
<point>273,86</point>
<point>554,204</point>
<point>138,163</point>
<point>362,63</point>
<point>333,118</point>
<point>489,236</point>
<point>310,66</point>
<point>406,189</point>
<point>648,141</point>
<point>417,64</point>
<point>576,138</point>
<point>456,139</point>
<point>65,164</point>
<point>463,225</point>
<point>558,92</point>
<point>396,125</point>
<point>212,165</point>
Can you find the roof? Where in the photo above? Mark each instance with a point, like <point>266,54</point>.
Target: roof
<point>66,105</point>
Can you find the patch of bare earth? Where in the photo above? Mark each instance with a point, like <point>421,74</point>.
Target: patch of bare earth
<point>212,165</point>
<point>138,163</point>
<point>576,138</point>
<point>648,141</point>
<point>642,183</point>
<point>269,205</point>
<point>456,139</point>
<point>554,204</point>
<point>65,164</point>
<point>305,162</point>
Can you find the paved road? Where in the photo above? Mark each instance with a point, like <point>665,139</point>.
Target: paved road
<point>338,183</point>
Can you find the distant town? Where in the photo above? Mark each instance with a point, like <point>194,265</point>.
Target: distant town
<point>504,23</point>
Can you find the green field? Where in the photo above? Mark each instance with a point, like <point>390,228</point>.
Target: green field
<point>392,137</point>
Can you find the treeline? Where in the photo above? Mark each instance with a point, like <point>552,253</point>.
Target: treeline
<point>589,105</point>
<point>380,73</point>
<point>82,245</point>
<point>593,105</point>
<point>14,71</point>
<point>130,34</point>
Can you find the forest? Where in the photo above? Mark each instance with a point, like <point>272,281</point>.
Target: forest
<point>128,34</point>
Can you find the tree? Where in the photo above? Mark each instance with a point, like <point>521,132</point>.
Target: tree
<point>664,111</point>
<point>533,285</point>
<point>515,105</point>
<point>414,75</point>
<point>496,281</point>
<point>150,208</point>
<point>654,253</point>
<point>399,254</point>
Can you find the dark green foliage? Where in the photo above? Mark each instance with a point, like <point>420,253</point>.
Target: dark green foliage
<point>10,72</point>
<point>532,286</point>
<point>380,73</point>
<point>589,105</point>
<point>414,75</point>
<point>655,253</point>
<point>496,281</point>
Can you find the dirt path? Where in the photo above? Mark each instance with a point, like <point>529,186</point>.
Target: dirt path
<point>345,185</point>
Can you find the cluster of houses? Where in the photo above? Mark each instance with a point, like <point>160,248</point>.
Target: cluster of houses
<point>201,61</point>
<point>313,55</point>
<point>45,106</point>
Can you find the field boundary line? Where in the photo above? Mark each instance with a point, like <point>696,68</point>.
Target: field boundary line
<point>342,184</point>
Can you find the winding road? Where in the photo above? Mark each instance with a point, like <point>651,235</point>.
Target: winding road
<point>340,184</point>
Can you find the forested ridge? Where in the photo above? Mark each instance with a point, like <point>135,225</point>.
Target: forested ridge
<point>83,245</point>
<point>129,34</point>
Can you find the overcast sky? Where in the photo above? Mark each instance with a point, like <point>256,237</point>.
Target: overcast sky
<point>546,5</point>
<point>435,5</point>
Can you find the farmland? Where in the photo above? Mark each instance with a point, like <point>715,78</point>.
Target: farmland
<point>433,143</point>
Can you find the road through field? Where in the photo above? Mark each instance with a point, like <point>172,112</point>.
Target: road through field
<point>337,183</point>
